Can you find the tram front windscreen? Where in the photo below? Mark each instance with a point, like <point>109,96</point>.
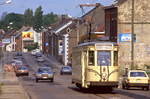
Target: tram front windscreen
<point>104,58</point>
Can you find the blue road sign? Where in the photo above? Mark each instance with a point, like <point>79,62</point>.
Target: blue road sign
<point>6,40</point>
<point>124,37</point>
<point>46,44</point>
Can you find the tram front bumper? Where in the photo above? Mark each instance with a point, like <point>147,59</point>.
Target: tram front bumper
<point>104,84</point>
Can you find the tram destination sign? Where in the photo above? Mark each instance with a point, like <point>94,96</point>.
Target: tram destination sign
<point>104,47</point>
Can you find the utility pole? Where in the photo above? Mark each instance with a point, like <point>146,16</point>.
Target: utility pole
<point>78,23</point>
<point>132,37</point>
<point>90,30</point>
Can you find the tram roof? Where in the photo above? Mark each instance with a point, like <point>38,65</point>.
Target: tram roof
<point>97,43</point>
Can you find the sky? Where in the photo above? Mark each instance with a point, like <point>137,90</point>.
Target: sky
<point>70,7</point>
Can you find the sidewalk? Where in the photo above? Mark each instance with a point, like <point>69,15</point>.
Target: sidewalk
<point>11,88</point>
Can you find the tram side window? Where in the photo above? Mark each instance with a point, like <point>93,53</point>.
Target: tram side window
<point>115,58</point>
<point>91,58</point>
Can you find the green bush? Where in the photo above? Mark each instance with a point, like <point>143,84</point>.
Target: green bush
<point>32,47</point>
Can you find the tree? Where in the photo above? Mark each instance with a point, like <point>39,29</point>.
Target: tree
<point>16,19</point>
<point>32,47</point>
<point>49,19</point>
<point>28,17</point>
<point>38,22</point>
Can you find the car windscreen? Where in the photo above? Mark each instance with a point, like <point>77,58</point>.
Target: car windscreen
<point>44,70</point>
<point>137,74</point>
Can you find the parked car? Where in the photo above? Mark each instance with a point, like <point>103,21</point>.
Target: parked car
<point>136,78</point>
<point>44,73</point>
<point>16,57</point>
<point>13,62</point>
<point>66,70</point>
<point>38,54</point>
<point>22,70</point>
<point>33,52</point>
<point>17,64</point>
<point>40,59</point>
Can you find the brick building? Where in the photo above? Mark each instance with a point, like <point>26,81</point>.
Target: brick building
<point>56,41</point>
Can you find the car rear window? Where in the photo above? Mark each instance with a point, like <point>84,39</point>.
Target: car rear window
<point>18,63</point>
<point>66,67</point>
<point>137,74</point>
<point>23,68</point>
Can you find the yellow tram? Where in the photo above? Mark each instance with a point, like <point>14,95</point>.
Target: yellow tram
<point>95,64</point>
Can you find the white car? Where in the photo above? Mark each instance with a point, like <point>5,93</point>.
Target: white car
<point>136,78</point>
<point>34,52</point>
<point>40,59</point>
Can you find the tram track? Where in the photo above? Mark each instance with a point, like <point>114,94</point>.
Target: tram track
<point>108,96</point>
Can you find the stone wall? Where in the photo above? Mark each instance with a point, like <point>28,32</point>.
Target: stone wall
<point>141,29</point>
<point>142,11</point>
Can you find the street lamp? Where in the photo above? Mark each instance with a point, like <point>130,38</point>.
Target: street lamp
<point>6,2</point>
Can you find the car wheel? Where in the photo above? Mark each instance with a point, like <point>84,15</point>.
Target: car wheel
<point>126,87</point>
<point>147,88</point>
<point>52,80</point>
<point>27,74</point>
<point>123,86</point>
<point>37,80</point>
<point>79,85</point>
<point>17,75</point>
<point>143,88</point>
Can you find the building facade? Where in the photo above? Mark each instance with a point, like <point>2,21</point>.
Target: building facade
<point>141,26</point>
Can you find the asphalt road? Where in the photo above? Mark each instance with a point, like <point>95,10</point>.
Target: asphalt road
<point>62,88</point>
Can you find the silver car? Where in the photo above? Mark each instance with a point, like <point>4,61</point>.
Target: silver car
<point>40,59</point>
<point>66,70</point>
<point>44,73</point>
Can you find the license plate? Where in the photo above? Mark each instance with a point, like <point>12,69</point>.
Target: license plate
<point>45,77</point>
<point>138,81</point>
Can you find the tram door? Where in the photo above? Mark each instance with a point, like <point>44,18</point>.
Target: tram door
<point>104,61</point>
<point>84,64</point>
